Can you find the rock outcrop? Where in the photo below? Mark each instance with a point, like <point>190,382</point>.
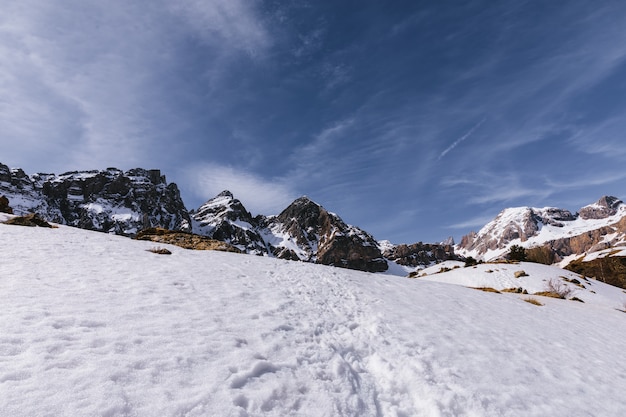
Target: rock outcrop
<point>420,254</point>
<point>184,240</point>
<point>30,220</point>
<point>4,205</point>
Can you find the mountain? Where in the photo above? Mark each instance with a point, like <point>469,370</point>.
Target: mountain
<point>94,324</point>
<point>590,242</point>
<point>595,226</point>
<point>225,218</point>
<point>303,231</point>
<point>109,201</point>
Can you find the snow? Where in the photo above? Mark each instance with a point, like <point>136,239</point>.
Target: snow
<point>501,276</point>
<point>95,325</point>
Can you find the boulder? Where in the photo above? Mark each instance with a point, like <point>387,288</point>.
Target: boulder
<point>4,205</point>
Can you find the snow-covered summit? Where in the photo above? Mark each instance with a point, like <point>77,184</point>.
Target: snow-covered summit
<point>224,218</point>
<point>528,227</point>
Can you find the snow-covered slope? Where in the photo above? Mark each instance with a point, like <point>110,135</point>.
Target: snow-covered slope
<point>536,278</point>
<point>95,325</point>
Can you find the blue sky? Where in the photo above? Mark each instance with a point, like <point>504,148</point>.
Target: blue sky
<point>414,120</point>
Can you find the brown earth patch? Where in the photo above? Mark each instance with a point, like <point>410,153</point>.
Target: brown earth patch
<point>30,220</point>
<point>184,240</point>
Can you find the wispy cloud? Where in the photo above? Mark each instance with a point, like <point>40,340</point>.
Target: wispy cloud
<point>462,138</point>
<point>259,195</point>
<point>228,24</point>
<point>90,84</point>
<point>587,179</point>
<point>473,223</point>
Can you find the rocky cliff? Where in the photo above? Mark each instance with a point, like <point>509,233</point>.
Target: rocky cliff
<point>110,201</point>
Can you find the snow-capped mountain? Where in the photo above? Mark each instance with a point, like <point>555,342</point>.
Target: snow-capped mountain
<point>596,226</point>
<point>225,218</point>
<point>303,231</point>
<point>109,201</point>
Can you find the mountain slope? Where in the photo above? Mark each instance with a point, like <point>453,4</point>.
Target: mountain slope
<point>93,324</point>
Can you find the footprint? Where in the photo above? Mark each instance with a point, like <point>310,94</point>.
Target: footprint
<point>15,376</point>
<point>91,324</point>
<point>284,328</point>
<point>261,368</point>
<point>241,401</point>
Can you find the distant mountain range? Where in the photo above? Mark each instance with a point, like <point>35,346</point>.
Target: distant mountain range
<point>595,227</point>
<point>125,203</point>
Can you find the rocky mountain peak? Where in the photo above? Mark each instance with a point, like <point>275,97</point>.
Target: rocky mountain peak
<point>225,218</point>
<point>222,205</point>
<point>225,193</point>
<point>605,207</point>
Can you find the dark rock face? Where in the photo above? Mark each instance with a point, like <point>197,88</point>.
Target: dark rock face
<point>326,239</point>
<point>4,205</point>
<point>304,231</point>
<point>110,201</point>
<point>608,269</point>
<point>420,254</point>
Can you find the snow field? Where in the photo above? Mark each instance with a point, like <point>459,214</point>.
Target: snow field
<point>95,325</point>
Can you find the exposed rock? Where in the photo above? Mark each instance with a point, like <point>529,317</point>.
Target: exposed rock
<point>184,240</point>
<point>523,223</point>
<point>4,205</point>
<point>30,220</point>
<point>419,253</point>
<point>603,208</point>
<point>608,269</point>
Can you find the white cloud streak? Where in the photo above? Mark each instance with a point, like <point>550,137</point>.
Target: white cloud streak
<point>461,139</point>
<point>258,195</point>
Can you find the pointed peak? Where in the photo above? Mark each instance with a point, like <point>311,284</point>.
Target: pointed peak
<point>225,193</point>
<point>609,201</point>
<point>304,200</point>
<point>605,207</point>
